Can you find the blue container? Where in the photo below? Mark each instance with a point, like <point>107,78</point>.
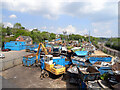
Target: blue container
<point>28,61</point>
<point>100,59</point>
<point>32,47</point>
<point>81,53</point>
<point>67,62</point>
<point>15,45</point>
<point>59,61</point>
<point>103,70</point>
<point>78,62</point>
<point>89,76</point>
<point>58,39</point>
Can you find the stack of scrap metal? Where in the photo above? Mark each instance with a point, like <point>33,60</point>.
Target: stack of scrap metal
<point>93,84</point>
<point>73,75</point>
<point>88,74</point>
<point>102,64</point>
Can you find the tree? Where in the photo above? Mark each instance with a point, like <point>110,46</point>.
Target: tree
<point>17,25</point>
<point>22,27</point>
<point>31,32</point>
<point>8,31</point>
<point>35,29</point>
<point>52,36</point>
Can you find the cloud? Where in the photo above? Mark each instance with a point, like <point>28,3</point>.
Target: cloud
<point>102,13</point>
<point>8,24</point>
<point>95,31</point>
<point>83,32</point>
<point>70,29</point>
<point>30,29</point>
<point>105,29</point>
<point>43,28</point>
<point>91,9</point>
<point>12,16</point>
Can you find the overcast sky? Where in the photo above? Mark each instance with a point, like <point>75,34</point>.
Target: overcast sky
<point>74,16</point>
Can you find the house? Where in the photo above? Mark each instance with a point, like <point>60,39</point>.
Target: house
<point>26,39</point>
<point>86,35</point>
<point>57,35</point>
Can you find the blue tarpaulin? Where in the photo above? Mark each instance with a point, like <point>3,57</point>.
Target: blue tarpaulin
<point>58,39</point>
<point>81,53</point>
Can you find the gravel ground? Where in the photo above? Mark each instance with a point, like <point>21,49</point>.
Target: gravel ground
<point>29,77</point>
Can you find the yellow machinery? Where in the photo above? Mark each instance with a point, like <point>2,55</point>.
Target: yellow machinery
<point>47,63</point>
<point>43,48</point>
<point>51,67</point>
<point>60,42</point>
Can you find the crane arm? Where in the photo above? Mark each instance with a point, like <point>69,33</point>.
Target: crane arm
<point>44,49</point>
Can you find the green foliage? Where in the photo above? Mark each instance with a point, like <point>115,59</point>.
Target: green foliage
<point>17,25</point>
<point>52,36</point>
<point>113,43</point>
<point>104,76</point>
<point>22,27</point>
<point>8,30</point>
<point>105,51</point>
<point>38,36</point>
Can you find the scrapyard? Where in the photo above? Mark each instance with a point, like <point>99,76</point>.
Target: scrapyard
<point>62,65</point>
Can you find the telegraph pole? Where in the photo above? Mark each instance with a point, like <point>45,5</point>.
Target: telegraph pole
<point>89,36</point>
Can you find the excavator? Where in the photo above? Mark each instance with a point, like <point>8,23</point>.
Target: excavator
<point>54,65</point>
<point>38,51</point>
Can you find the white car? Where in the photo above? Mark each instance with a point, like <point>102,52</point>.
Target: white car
<point>2,55</point>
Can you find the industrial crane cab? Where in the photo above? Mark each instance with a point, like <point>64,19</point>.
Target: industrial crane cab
<point>48,59</point>
<point>56,51</point>
<point>55,65</point>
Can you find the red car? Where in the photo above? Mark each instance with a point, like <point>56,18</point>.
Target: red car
<point>5,50</point>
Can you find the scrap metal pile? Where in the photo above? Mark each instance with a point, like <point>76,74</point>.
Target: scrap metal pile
<point>83,69</point>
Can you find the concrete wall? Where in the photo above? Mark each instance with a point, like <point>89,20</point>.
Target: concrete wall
<point>10,63</point>
<point>109,50</point>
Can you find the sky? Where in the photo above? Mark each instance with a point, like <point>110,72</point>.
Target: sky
<point>100,17</point>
